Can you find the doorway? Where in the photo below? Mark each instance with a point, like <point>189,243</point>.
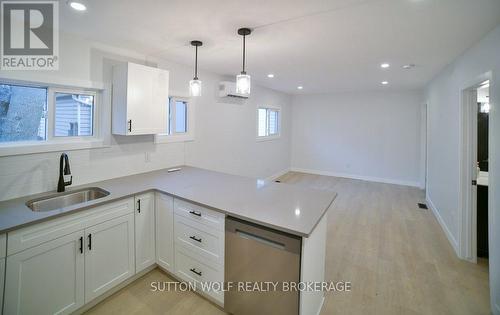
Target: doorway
<point>474,171</point>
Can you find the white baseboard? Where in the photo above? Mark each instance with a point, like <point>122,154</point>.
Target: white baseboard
<point>447,232</point>
<point>358,177</point>
<point>321,305</point>
<point>277,175</point>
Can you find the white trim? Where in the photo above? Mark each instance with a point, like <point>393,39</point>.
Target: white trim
<point>447,232</point>
<point>269,137</point>
<point>358,177</point>
<point>190,124</point>
<point>19,78</point>
<point>321,305</point>
<point>277,175</point>
<point>20,148</point>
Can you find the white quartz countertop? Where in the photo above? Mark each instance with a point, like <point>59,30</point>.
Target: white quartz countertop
<point>285,207</point>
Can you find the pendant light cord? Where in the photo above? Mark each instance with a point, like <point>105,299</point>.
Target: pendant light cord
<point>196,63</point>
<point>243,54</point>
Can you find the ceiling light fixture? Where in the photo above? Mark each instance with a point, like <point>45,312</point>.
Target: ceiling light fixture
<point>385,65</point>
<point>384,82</point>
<point>409,66</point>
<point>78,5</point>
<point>270,75</point>
<point>195,84</point>
<point>300,87</point>
<point>243,79</point>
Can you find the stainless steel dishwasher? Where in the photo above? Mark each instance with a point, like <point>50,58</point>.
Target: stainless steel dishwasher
<point>259,255</point>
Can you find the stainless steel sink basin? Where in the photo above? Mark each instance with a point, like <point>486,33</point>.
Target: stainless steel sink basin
<point>61,200</point>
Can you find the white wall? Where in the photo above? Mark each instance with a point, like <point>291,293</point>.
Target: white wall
<point>373,136</point>
<point>443,99</point>
<point>88,64</point>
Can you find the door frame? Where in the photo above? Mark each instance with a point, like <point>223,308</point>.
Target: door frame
<point>467,232</point>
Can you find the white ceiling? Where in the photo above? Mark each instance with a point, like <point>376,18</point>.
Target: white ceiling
<point>324,45</point>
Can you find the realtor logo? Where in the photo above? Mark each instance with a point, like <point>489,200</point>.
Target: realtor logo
<point>30,37</point>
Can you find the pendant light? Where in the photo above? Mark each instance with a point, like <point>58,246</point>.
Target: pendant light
<point>195,84</point>
<point>243,79</point>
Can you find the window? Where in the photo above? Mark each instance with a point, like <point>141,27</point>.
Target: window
<point>45,116</point>
<point>22,113</point>
<point>179,121</point>
<point>268,122</point>
<point>74,115</point>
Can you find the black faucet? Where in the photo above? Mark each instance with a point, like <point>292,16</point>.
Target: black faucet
<point>62,184</point>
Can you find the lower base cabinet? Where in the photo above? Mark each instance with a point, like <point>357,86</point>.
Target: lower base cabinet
<point>46,279</point>
<point>164,212</point>
<point>109,259</point>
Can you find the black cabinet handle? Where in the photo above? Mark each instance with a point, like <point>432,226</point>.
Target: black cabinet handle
<point>193,270</point>
<point>195,239</point>
<point>195,213</point>
<point>90,241</point>
<point>81,244</point>
<point>130,125</point>
<point>139,205</point>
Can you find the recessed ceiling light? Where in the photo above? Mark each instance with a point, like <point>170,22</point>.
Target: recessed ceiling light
<point>78,5</point>
<point>385,65</point>
<point>384,82</point>
<point>270,75</point>
<point>300,87</point>
<point>409,66</point>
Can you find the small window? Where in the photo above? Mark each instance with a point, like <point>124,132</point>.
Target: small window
<point>23,113</point>
<point>74,115</point>
<point>268,122</point>
<point>177,116</point>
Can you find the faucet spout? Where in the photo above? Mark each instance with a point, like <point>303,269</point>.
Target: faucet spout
<point>64,170</point>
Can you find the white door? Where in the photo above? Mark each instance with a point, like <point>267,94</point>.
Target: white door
<point>165,231</point>
<point>46,279</point>
<point>109,257</point>
<point>147,99</point>
<point>144,231</point>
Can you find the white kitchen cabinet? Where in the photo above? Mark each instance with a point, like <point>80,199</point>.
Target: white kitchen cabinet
<point>140,99</point>
<point>144,231</point>
<point>46,279</point>
<point>165,231</point>
<point>109,257</point>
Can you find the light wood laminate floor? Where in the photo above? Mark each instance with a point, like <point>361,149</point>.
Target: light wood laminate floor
<point>395,255</point>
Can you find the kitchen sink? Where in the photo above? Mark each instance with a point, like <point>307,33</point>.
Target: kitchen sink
<point>61,200</point>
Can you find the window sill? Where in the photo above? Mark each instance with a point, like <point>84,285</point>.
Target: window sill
<point>159,139</point>
<point>42,147</point>
<point>268,138</point>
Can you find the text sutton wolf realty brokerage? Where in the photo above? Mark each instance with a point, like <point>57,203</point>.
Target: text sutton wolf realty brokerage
<point>30,35</point>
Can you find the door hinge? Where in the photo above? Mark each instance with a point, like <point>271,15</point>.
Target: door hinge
<point>130,125</point>
<point>474,182</point>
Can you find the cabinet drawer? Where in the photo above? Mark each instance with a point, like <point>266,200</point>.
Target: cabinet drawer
<point>191,269</point>
<point>204,241</point>
<point>30,236</point>
<point>3,245</point>
<point>199,214</point>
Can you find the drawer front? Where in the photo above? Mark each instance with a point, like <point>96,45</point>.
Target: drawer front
<point>205,241</point>
<point>199,214</point>
<point>190,268</point>
<point>3,245</point>
<point>37,234</point>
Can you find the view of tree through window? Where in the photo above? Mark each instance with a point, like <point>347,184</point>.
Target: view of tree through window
<point>22,113</point>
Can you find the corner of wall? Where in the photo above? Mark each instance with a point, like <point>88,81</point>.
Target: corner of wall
<point>446,230</point>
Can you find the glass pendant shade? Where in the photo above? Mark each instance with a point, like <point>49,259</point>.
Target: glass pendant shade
<point>243,83</point>
<point>195,87</point>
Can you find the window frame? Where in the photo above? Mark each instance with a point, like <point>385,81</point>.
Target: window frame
<point>268,108</point>
<point>174,136</point>
<point>51,142</point>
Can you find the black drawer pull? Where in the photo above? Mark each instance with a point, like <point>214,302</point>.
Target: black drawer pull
<point>195,213</point>
<point>139,205</point>
<point>193,270</point>
<point>81,244</point>
<point>90,242</point>
<point>195,239</point>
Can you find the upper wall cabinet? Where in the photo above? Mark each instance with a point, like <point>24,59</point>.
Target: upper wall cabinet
<point>140,98</point>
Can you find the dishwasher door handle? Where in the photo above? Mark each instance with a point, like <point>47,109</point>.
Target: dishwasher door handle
<point>260,239</point>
